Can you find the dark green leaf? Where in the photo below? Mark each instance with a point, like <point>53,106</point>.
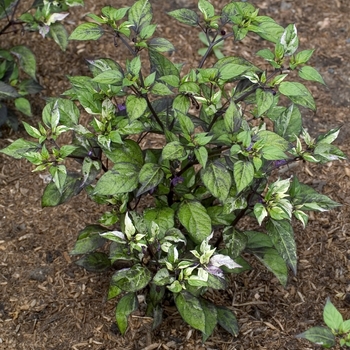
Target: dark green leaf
<point>161,45</point>
<point>161,65</point>
<point>129,152</point>
<point>94,262</point>
<point>289,123</point>
<point>274,262</point>
<point>227,320</point>
<point>319,335</point>
<point>210,315</point>
<point>53,197</point>
<point>150,176</point>
<point>131,279</point>
<point>217,180</point>
<point>126,305</point>
<point>268,30</point>
<point>282,237</point>
<point>308,199</point>
<point>87,31</point>
<point>122,178</point>
<point>190,310</point>
<point>140,15</point>
<point>27,60</point>
<point>7,91</point>
<point>89,239</point>
<point>194,217</point>
<point>185,16</point>
<point>59,35</point>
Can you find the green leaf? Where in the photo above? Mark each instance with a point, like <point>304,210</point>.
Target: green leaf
<point>231,70</point>
<point>264,100</point>
<point>94,262</point>
<point>113,13</point>
<point>59,35</point>
<point>269,138</point>
<point>161,65</point>
<point>190,310</point>
<point>309,199</point>
<point>210,314</point>
<point>31,131</point>
<point>132,279</point>
<point>53,197</point>
<point>289,123</point>
<point>268,30</point>
<point>87,31</point>
<point>161,89</point>
<point>27,60</point>
<point>185,16</point>
<point>274,262</point>
<point>7,91</point>
<point>206,8</point>
<point>161,45</point>
<point>227,320</point>
<point>181,104</point>
<point>163,217</point>
<point>68,111</point>
<point>217,180</point>
<point>89,239</point>
<point>319,335</point>
<point>59,176</point>
<point>201,154</point>
<point>135,106</point>
<point>23,105</point>
<point>126,305</point>
<point>345,327</point>
<point>18,148</point>
<point>111,76</point>
<point>282,237</point>
<point>273,153</point>
<point>257,240</point>
<point>194,217</point>
<point>129,152</point>
<point>122,178</point>
<point>289,40</point>
<point>310,73</point>
<point>140,15</point>
<point>332,317</point>
<point>7,7</point>
<point>298,94</point>
<point>327,153</point>
<point>150,177</point>
<point>303,56</point>
<point>173,151</point>
<point>243,174</point>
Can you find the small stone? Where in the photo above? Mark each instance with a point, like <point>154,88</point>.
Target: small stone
<point>39,274</point>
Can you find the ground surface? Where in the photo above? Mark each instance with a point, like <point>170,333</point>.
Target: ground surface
<point>48,303</point>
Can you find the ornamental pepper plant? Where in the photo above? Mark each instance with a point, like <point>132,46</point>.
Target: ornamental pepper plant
<point>172,226</point>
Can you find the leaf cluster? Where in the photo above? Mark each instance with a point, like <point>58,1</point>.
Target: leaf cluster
<point>222,133</point>
<point>18,64</point>
<point>336,328</point>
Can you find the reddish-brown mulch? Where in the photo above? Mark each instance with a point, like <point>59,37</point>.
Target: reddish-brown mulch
<point>48,303</point>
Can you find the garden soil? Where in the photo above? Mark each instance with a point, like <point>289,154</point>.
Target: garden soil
<point>49,303</point>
